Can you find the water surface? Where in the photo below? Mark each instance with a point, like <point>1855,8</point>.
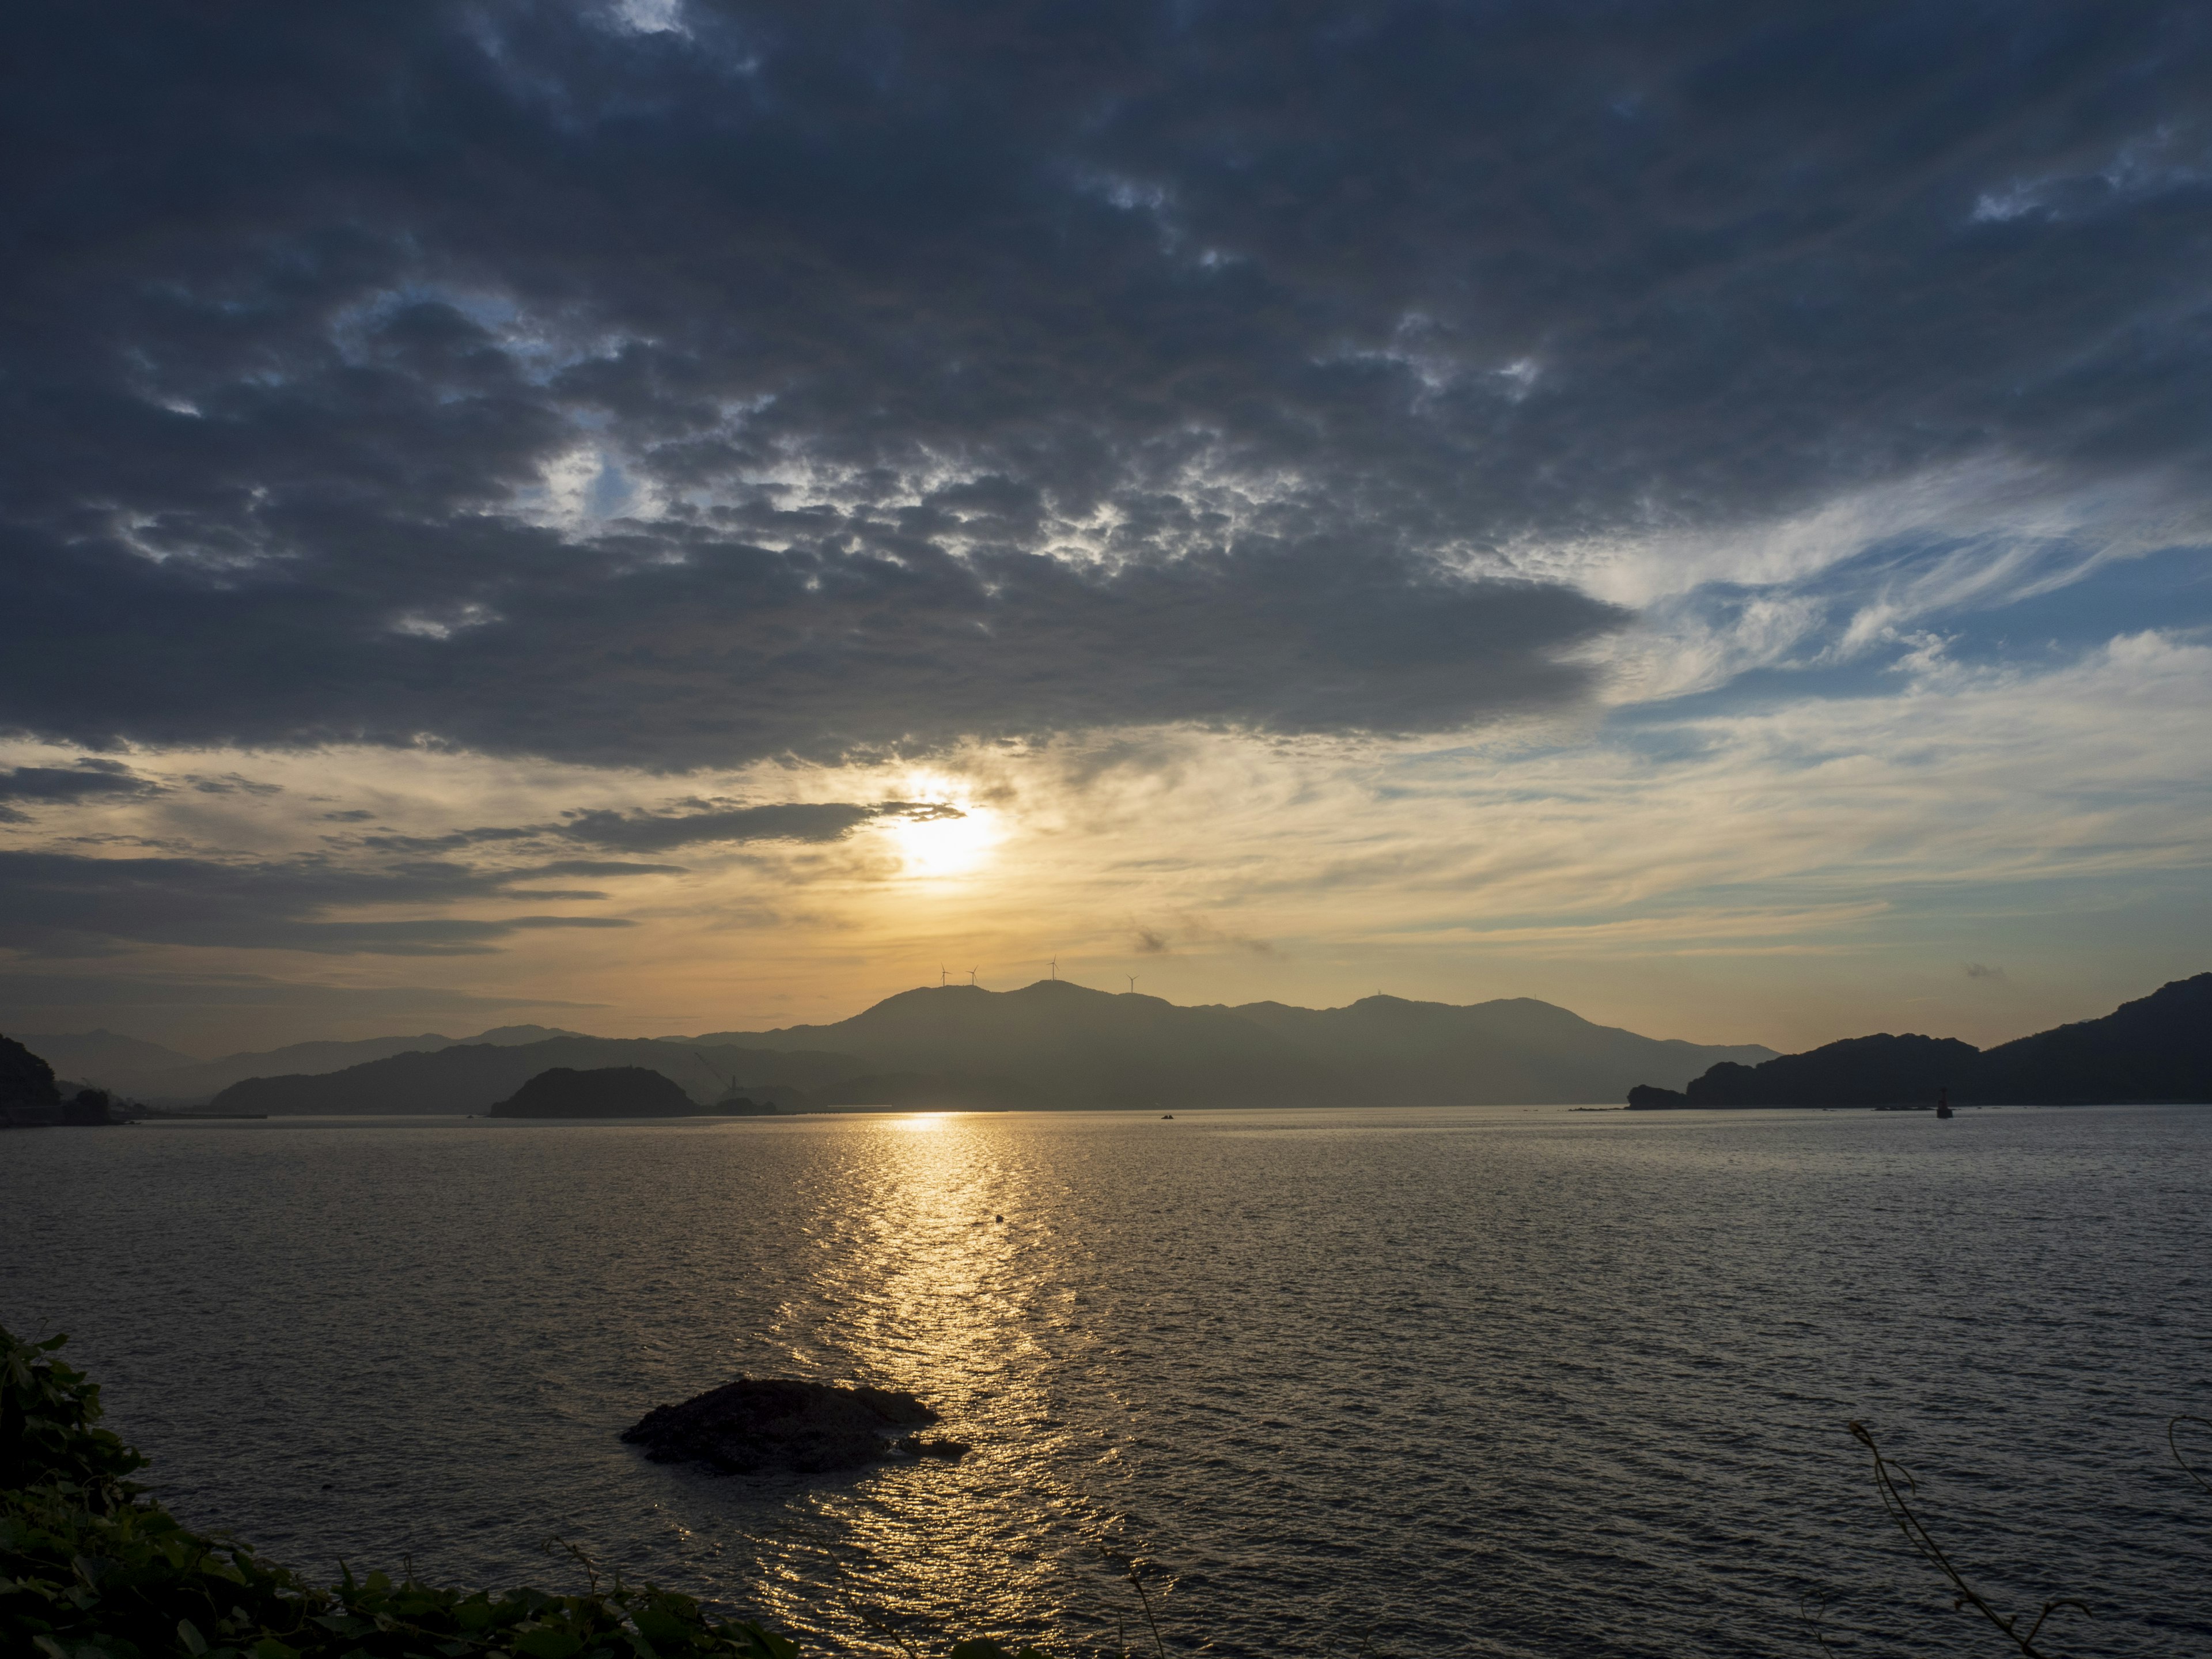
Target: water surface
<point>1490,1381</point>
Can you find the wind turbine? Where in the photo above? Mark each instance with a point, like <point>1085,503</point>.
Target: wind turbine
<point>1055,968</point>
<point>971,975</point>
<point>1132,978</point>
<point>940,972</point>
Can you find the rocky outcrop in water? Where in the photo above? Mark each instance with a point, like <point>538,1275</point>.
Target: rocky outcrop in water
<point>766,1425</point>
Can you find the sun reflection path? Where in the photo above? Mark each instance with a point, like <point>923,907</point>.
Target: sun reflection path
<point>945,1277</point>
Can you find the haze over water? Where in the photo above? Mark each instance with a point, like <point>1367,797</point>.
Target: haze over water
<point>1494,1381</point>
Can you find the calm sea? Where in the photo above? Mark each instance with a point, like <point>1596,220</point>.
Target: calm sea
<point>1490,1381</point>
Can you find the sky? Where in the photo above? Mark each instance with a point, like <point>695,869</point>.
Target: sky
<point>674,515</point>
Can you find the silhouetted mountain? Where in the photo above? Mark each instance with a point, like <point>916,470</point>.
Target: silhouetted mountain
<point>471,1077</point>
<point>602,1092</point>
<point>2156,1049</point>
<point>1513,1050</point>
<point>162,1075</point>
<point>1057,1045</point>
<point>1867,1071</point>
<point>26,1079</point>
<point>107,1058</point>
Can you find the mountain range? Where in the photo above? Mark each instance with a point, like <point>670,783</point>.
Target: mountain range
<point>2157,1048</point>
<point>150,1071</point>
<point>1050,1044</point>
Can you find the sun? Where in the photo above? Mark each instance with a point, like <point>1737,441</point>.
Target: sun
<point>941,846</point>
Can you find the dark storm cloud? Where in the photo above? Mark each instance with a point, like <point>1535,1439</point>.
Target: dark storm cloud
<point>689,824</point>
<point>799,821</point>
<point>60,904</point>
<point>842,320</point>
<point>89,780</point>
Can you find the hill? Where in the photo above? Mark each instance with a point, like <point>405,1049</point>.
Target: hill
<point>1055,1043</point>
<point>603,1092</point>
<point>473,1077</point>
<point>2157,1048</point>
<point>150,1071</point>
<point>1514,1050</point>
<point>107,1058</point>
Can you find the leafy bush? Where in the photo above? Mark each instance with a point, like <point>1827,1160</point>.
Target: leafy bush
<point>91,1568</point>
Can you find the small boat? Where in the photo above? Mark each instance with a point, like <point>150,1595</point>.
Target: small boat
<point>1167,1117</point>
<point>1943,1104</point>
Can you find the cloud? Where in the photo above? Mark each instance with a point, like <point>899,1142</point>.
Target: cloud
<point>88,781</point>
<point>688,824</point>
<point>978,371</point>
<point>797,821</point>
<point>1983,970</point>
<point>63,904</point>
<point>82,990</point>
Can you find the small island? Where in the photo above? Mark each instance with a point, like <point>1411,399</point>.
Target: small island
<point>783,1424</point>
<point>611,1091</point>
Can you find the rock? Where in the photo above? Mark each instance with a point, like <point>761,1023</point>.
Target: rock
<point>760,1425</point>
<point>950,1450</point>
<point>604,1091</point>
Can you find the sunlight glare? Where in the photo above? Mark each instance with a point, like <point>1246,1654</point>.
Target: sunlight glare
<point>945,847</point>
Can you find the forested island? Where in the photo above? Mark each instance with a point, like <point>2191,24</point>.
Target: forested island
<point>615,1092</point>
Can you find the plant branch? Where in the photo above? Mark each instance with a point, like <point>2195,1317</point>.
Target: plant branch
<point>1886,1476</point>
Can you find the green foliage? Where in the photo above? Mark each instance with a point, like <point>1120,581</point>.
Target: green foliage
<point>90,1567</point>
<point>47,1436</point>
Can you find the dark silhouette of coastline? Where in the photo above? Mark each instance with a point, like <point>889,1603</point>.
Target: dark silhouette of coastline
<point>1053,1044</point>
<point>2158,1048</point>
<point>32,1098</point>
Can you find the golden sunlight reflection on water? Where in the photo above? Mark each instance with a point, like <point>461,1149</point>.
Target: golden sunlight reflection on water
<point>945,1273</point>
<point>1493,1379</point>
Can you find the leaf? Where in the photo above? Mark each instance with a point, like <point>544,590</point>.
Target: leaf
<point>547,1645</point>
<point>189,1634</point>
<point>760,1643</point>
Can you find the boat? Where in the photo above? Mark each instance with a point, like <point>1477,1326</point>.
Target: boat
<point>1167,1117</point>
<point>1943,1104</point>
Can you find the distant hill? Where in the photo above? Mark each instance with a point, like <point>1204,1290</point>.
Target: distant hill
<point>2156,1049</point>
<point>604,1091</point>
<point>103,1057</point>
<point>1053,1043</point>
<point>473,1077</point>
<point>150,1071</point>
<point>1514,1050</point>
